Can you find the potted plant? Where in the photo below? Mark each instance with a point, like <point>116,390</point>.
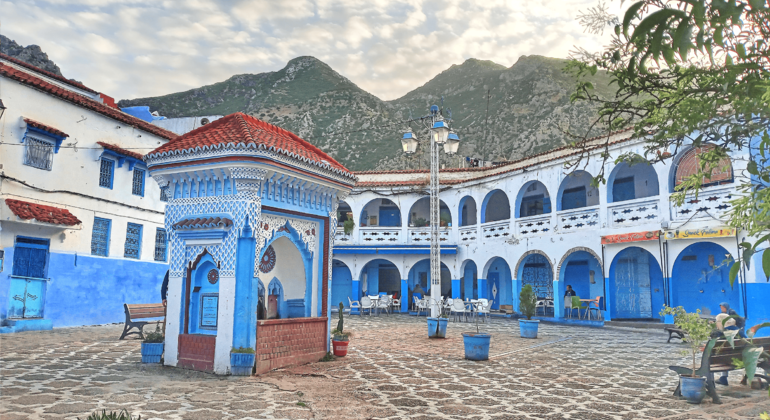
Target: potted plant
<point>348,226</point>
<point>476,344</point>
<point>697,332</point>
<point>444,219</point>
<point>241,361</point>
<point>152,346</point>
<point>340,338</point>
<point>437,326</point>
<point>527,303</point>
<point>420,222</point>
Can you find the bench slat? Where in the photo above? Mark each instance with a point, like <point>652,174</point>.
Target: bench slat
<point>144,305</point>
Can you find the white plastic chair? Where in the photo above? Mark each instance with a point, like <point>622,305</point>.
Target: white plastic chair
<point>483,308</point>
<point>354,304</point>
<point>395,304</point>
<point>568,306</point>
<point>422,305</point>
<point>366,305</point>
<point>384,303</point>
<point>460,309</point>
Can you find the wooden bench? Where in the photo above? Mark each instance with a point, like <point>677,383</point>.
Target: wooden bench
<point>673,331</point>
<point>717,358</point>
<point>141,311</point>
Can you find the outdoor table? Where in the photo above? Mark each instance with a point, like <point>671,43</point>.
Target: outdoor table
<point>588,306</point>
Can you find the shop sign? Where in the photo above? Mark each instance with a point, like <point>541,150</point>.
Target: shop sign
<point>699,233</point>
<point>209,310</point>
<point>631,237</point>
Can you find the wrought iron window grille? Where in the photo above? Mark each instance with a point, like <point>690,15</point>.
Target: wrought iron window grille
<point>106,171</point>
<point>133,244</point>
<point>137,188</point>
<point>38,153</point>
<point>161,244</point>
<point>100,237</point>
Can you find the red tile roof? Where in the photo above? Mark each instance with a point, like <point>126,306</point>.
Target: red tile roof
<point>47,214</point>
<point>47,73</point>
<point>239,129</point>
<point>120,150</point>
<point>44,127</point>
<point>80,100</point>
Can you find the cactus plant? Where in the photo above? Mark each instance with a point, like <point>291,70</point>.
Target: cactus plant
<point>341,321</point>
<point>338,333</point>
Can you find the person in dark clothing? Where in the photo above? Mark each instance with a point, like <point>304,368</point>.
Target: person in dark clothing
<point>740,324</point>
<point>569,291</point>
<point>164,289</point>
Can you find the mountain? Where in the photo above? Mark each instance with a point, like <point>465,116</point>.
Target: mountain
<point>528,107</point>
<point>31,54</point>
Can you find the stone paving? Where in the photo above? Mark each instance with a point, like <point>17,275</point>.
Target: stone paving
<point>392,371</point>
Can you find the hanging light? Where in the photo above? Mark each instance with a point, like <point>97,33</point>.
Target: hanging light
<point>2,108</point>
<point>409,142</point>
<point>440,131</point>
<point>452,143</point>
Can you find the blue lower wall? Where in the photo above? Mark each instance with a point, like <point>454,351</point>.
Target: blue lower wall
<point>86,290</point>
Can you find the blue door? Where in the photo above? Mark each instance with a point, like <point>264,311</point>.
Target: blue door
<point>493,281</point>
<point>633,294</point>
<point>389,216</point>
<point>27,289</point>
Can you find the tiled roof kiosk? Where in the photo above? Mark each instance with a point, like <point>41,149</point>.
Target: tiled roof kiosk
<point>251,216</point>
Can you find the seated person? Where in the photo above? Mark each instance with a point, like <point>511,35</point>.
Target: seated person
<point>569,292</point>
<point>731,324</point>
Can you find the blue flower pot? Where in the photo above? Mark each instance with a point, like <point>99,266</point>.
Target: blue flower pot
<point>693,389</point>
<point>528,328</point>
<point>151,352</point>
<point>476,346</point>
<point>437,327</point>
<point>241,364</point>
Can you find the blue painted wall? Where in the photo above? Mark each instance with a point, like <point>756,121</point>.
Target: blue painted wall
<point>86,290</point>
<point>656,281</point>
<point>695,284</point>
<point>342,286</point>
<point>470,287</point>
<point>500,269</point>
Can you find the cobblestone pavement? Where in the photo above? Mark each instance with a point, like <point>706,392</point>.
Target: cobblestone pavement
<point>392,371</point>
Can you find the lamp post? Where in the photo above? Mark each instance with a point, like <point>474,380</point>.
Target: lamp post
<point>438,134</point>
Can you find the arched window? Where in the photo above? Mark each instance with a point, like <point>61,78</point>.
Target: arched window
<point>419,214</point>
<point>533,199</point>
<point>576,192</point>
<point>380,212</point>
<point>495,207</point>
<point>628,182</point>
<point>468,211</point>
<point>345,213</point>
<point>688,163</point>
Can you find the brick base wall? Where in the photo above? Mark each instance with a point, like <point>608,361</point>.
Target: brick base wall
<point>197,352</point>
<point>293,341</point>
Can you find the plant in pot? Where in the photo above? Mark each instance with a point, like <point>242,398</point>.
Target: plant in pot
<point>420,222</point>
<point>476,344</point>
<point>437,326</point>
<point>152,346</point>
<point>697,331</point>
<point>527,304</point>
<point>444,220</point>
<point>347,226</point>
<point>241,361</point>
<point>340,337</point>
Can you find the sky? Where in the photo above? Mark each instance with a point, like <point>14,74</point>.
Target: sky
<point>138,48</point>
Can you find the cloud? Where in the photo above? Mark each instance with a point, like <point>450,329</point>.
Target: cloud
<point>136,48</point>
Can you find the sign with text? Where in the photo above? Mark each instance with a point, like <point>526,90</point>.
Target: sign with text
<point>209,311</point>
<point>631,237</point>
<point>699,233</point>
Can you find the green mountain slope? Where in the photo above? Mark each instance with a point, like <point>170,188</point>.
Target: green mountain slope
<point>528,107</point>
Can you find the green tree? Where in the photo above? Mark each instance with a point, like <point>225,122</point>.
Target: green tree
<point>689,71</point>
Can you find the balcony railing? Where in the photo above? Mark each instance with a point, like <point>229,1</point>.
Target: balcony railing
<point>380,235</point>
<point>533,225</point>
<point>340,238</point>
<point>496,230</point>
<point>421,235</point>
<point>710,202</point>
<point>635,212</point>
<point>577,219</point>
<point>468,234</point>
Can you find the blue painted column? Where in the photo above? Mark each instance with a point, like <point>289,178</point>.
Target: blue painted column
<point>246,286</point>
<point>483,288</point>
<point>607,300</point>
<point>356,295</point>
<point>456,292</point>
<point>516,288</point>
<point>405,295</point>
<point>558,300</point>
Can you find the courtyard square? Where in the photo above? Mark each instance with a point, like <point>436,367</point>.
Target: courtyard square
<point>392,371</point>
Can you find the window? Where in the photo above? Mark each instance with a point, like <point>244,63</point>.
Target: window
<point>573,198</point>
<point>100,237</point>
<point>532,206</point>
<point>105,173</point>
<point>163,191</point>
<point>623,189</point>
<point>38,153</point>
<point>138,186</point>
<point>161,243</point>
<point>133,241</point>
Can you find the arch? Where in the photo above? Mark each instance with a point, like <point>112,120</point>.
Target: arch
<point>342,284</point>
<point>203,293</point>
<point>420,211</point>
<point>533,199</point>
<point>629,182</point>
<point>495,207</point>
<point>535,269</point>
<point>700,279</point>
<point>420,274</point>
<point>292,270</point>
<point>527,254</point>
<point>345,212</point>
<point>635,285</point>
<point>467,211</point>
<point>380,276</point>
<point>580,268</point>
<point>499,285</point>
<point>575,191</point>
<point>380,212</point>
<point>687,163</point>
<point>469,280</point>
<point>576,249</point>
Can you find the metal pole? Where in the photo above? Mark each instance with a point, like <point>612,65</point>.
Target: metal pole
<point>435,262</point>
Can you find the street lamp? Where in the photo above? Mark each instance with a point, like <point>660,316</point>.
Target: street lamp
<point>439,133</point>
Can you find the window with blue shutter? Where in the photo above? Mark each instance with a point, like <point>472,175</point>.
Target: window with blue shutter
<point>138,185</point>
<point>100,237</point>
<point>106,172</point>
<point>161,244</point>
<point>163,191</point>
<point>133,241</point>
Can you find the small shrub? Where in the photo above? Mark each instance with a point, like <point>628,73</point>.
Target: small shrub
<point>328,358</point>
<point>348,226</point>
<point>527,301</point>
<point>104,415</point>
<point>245,350</point>
<point>155,336</point>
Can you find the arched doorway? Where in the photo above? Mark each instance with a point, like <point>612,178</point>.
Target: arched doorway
<point>499,282</point>
<point>342,285</point>
<point>629,182</point>
<point>287,272</point>
<point>532,200</point>
<point>345,213</point>
<point>467,211</point>
<point>583,271</point>
<point>576,192</point>
<point>495,207</point>
<point>700,279</point>
<point>380,212</point>
<point>636,285</point>
<point>380,276</point>
<point>420,274</point>
<point>469,285</point>
<point>536,270</point>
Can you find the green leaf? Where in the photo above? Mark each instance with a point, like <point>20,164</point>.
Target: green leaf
<point>753,330</point>
<point>617,30</point>
<point>630,14</point>
<point>766,262</point>
<point>747,254</point>
<point>741,50</point>
<point>752,168</point>
<point>730,335</point>
<point>734,273</point>
<point>750,360</point>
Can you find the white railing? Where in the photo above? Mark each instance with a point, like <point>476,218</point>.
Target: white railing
<point>710,202</point>
<point>380,235</point>
<point>496,230</point>
<point>634,212</point>
<point>577,219</point>
<point>468,234</point>
<point>340,238</point>
<point>534,225</point>
<point>421,235</point>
